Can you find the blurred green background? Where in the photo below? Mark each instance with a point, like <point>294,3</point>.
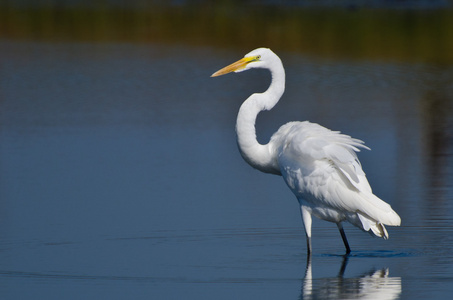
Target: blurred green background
<point>407,31</point>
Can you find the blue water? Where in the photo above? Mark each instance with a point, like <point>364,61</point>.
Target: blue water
<point>120,177</point>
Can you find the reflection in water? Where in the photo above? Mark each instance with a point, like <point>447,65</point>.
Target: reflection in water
<point>375,284</point>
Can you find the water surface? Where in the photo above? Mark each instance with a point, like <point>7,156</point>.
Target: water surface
<point>120,176</point>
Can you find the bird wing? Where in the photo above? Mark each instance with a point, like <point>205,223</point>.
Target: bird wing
<point>306,143</point>
<point>321,166</point>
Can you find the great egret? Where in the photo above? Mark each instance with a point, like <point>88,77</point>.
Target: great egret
<point>320,166</point>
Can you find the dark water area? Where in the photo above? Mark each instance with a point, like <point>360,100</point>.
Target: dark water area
<point>120,175</point>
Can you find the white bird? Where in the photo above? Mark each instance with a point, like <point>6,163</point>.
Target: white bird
<point>320,166</point>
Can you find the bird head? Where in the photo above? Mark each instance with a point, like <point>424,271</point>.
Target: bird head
<point>254,59</point>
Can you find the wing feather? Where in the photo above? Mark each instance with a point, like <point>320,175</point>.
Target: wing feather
<point>311,142</point>
<point>321,166</point>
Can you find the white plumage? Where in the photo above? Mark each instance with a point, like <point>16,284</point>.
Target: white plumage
<point>320,166</point>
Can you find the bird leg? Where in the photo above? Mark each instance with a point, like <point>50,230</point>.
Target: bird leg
<point>343,236</point>
<point>306,218</point>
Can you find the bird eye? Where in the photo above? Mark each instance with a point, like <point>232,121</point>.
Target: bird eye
<point>258,57</point>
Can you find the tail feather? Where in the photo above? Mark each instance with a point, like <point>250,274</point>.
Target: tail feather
<point>380,211</point>
<point>377,228</point>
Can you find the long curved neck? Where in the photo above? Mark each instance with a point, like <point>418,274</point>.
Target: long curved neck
<point>259,156</point>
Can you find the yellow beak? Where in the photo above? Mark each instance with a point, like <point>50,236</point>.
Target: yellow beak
<point>236,66</point>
